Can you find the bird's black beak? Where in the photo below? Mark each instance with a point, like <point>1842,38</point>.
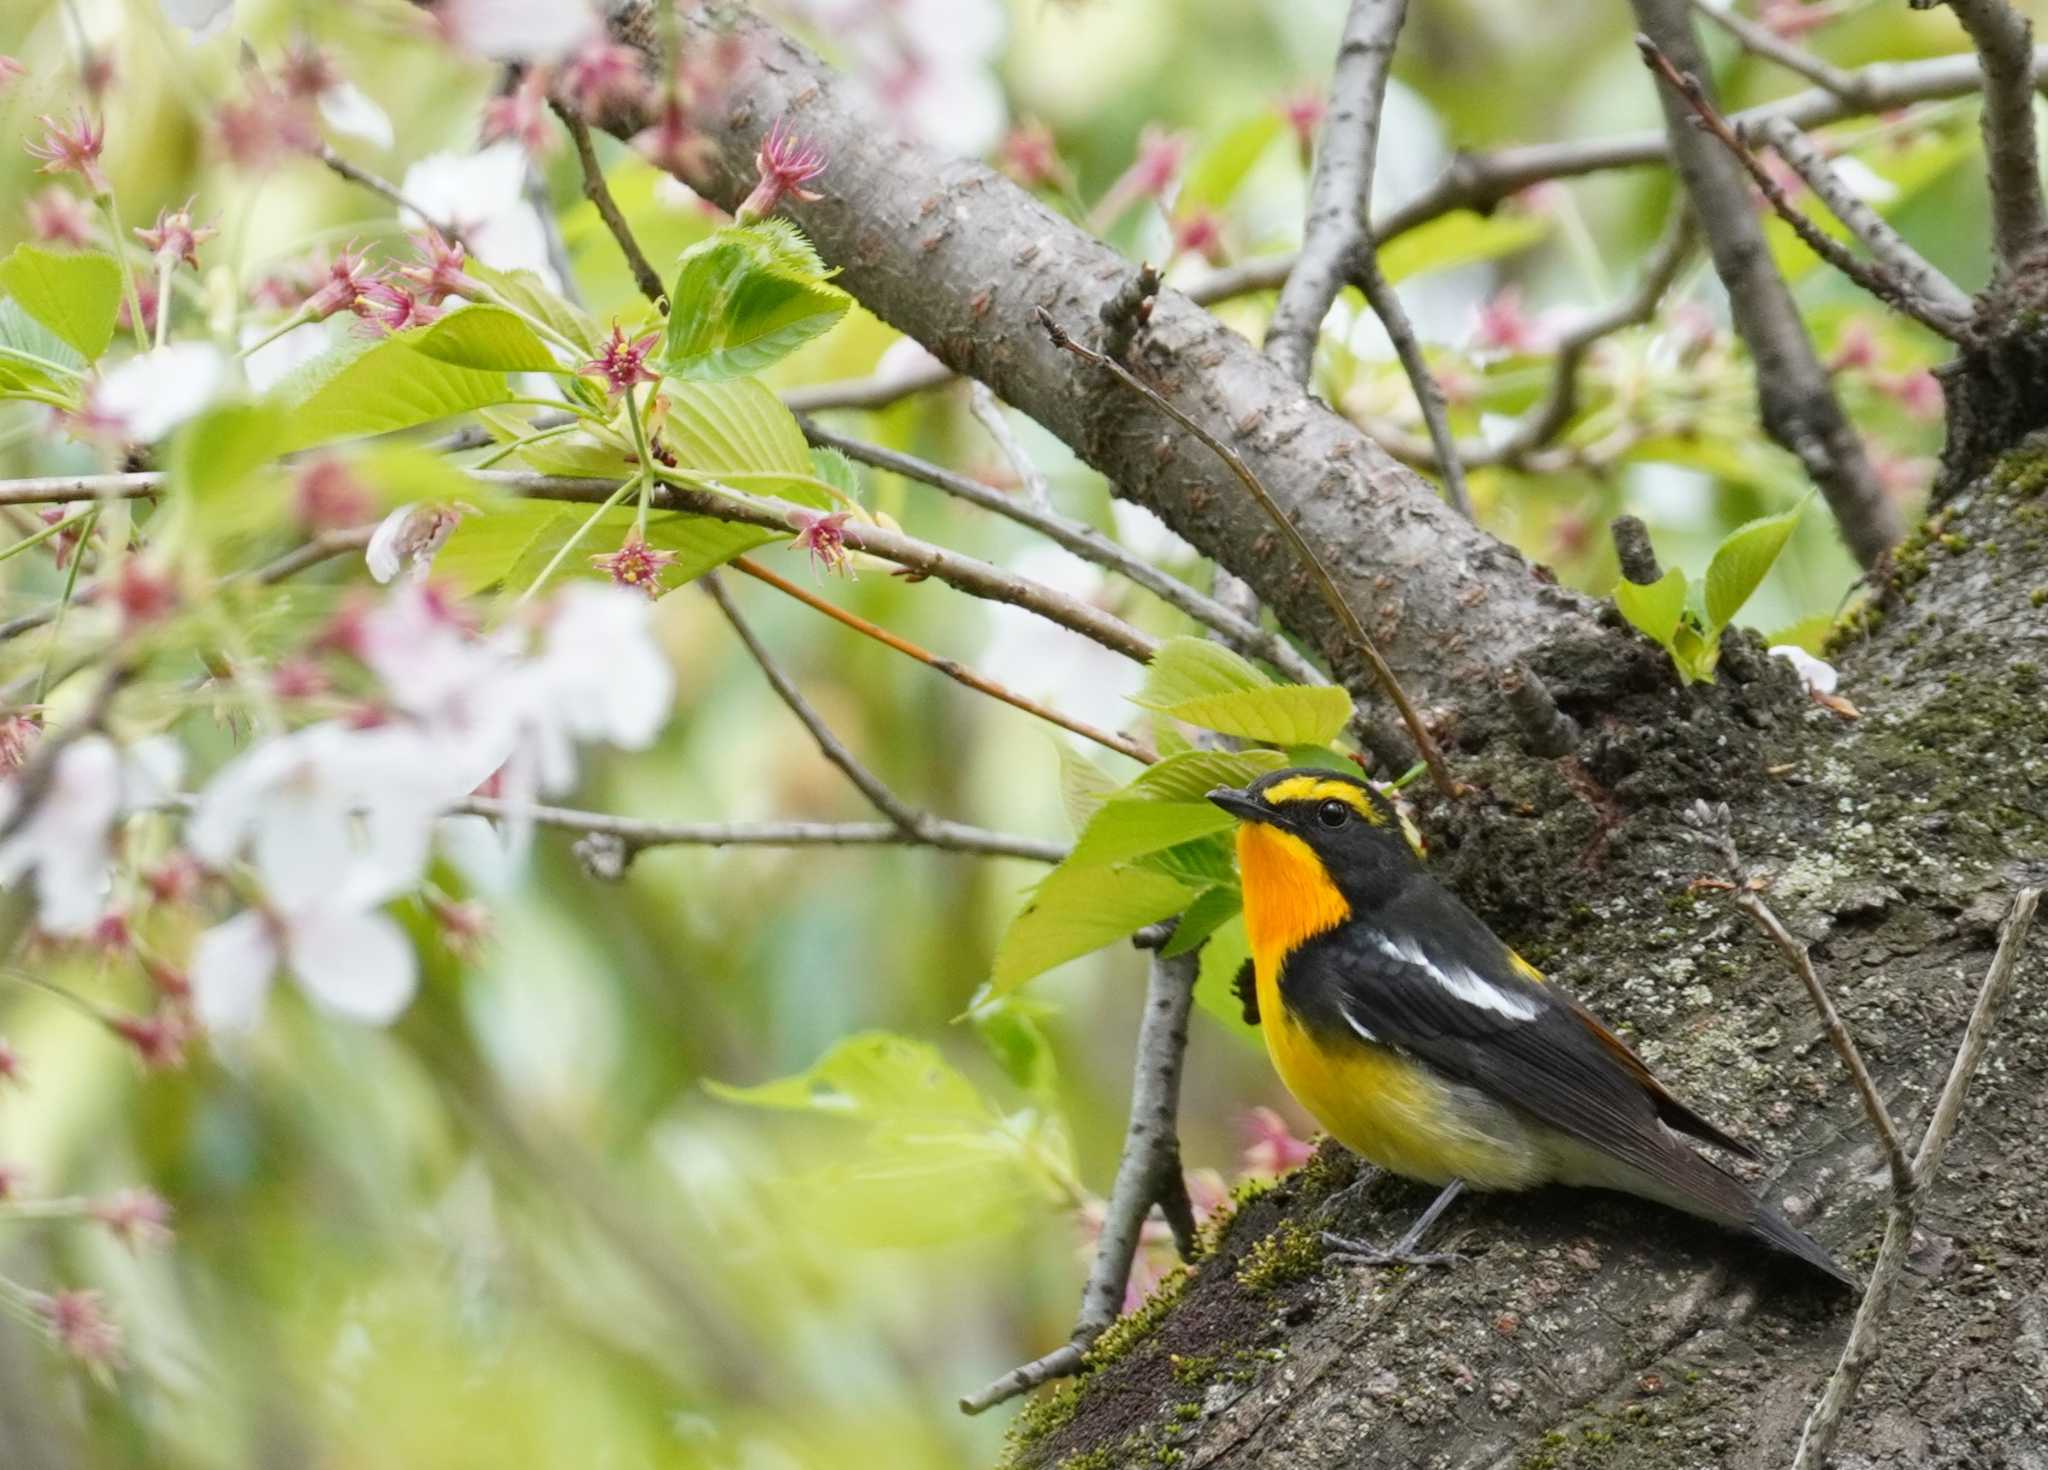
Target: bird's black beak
<point>1240,804</point>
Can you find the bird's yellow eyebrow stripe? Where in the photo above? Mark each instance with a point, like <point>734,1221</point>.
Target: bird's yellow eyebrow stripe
<point>1320,788</point>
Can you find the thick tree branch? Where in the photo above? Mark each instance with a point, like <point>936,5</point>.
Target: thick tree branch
<point>1148,1173</point>
<point>1084,541</point>
<point>1796,398</point>
<point>960,258</point>
<point>2004,41</point>
<point>1817,1439</point>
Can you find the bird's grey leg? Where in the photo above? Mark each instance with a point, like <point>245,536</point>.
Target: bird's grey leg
<point>1403,1252</point>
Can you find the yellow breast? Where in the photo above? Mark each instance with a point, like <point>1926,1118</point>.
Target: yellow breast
<point>1379,1104</point>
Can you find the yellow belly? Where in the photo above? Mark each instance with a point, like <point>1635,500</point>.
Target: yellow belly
<point>1392,1112</point>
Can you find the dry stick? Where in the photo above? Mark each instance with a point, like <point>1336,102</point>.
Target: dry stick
<point>600,197</point>
<point>957,672</point>
<point>2004,41</point>
<point>1148,1172</point>
<point>1876,277</point>
<point>385,190</point>
<point>988,412</point>
<point>1762,41</point>
<point>632,835</point>
<point>1817,1439</point>
<point>1795,394</point>
<point>1912,269</point>
<point>65,489</point>
<point>969,574</point>
<point>1083,540</point>
<point>1332,597</point>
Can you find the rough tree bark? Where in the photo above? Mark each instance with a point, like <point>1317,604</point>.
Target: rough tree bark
<point>1587,1329</point>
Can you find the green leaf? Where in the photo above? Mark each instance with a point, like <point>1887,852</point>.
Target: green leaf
<point>487,337</point>
<point>1459,239</point>
<point>1009,1027</point>
<point>1200,683</point>
<point>745,299</point>
<point>874,1076</point>
<point>1695,653</point>
<point>1215,982</point>
<point>739,428</point>
<point>363,388</point>
<point>1125,829</point>
<point>32,357</point>
<point>76,294</point>
<point>1220,169</point>
<point>836,470</point>
<point>1741,562</point>
<point>1654,609</point>
<point>1074,911</point>
<point>1193,774</point>
<point>1084,787</point>
<point>214,454</point>
<point>1199,864</point>
<point>1809,633</point>
<point>527,292</point>
<point>1213,908</point>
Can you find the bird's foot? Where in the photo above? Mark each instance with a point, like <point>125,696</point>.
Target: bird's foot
<point>1401,1253</point>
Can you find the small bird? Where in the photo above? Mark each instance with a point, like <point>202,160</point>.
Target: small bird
<point>1426,1045</point>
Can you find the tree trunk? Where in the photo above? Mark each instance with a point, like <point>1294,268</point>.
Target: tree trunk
<point>1587,1329</point>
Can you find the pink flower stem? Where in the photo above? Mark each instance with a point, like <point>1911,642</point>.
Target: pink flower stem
<point>646,475</point>
<point>297,319</point>
<point>589,524</point>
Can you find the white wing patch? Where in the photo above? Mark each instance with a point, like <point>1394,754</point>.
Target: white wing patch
<point>1364,1031</point>
<point>1472,988</point>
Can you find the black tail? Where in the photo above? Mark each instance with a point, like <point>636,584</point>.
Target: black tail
<point>1774,1230</point>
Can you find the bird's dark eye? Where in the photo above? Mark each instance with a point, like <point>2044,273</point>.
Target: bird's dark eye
<point>1333,813</point>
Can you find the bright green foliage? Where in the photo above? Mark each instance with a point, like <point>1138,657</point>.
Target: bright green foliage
<point>1218,171</point>
<point>363,387</point>
<point>1687,621</point>
<point>1076,910</point>
<point>745,299</point>
<point>1202,683</point>
<point>525,292</point>
<point>77,295</point>
<point>1460,238</point>
<point>34,361</point>
<point>487,337</point>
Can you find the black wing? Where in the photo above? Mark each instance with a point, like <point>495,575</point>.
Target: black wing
<point>1442,987</point>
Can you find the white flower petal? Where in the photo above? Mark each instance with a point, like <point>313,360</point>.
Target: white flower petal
<point>231,968</point>
<point>150,772</point>
<point>72,885</point>
<point>152,394</point>
<point>383,555</point>
<point>347,109</point>
<point>357,965</point>
<point>273,362</point>
<point>199,18</point>
<point>1818,675</point>
<point>517,30</point>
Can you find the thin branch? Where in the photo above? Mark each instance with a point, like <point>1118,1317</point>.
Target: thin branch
<point>988,412</point>
<point>1429,395</point>
<point>953,670</point>
<point>324,546</point>
<point>2004,41</point>
<point>968,574</point>
<point>386,190</point>
<point>1795,395</point>
<point>1912,269</point>
<point>829,745</point>
<point>878,391</point>
<point>65,489</point>
<point>600,196</point>
<point>1876,277</point>
<point>1762,41</point>
<point>1083,540</point>
<point>636,834</point>
<point>1347,619</point>
<point>1340,185</point>
<point>1148,1173</point>
<point>1817,1439</point>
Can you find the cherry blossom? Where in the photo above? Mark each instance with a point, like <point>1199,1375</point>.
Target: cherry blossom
<point>623,364</point>
<point>824,537</point>
<point>352,962</point>
<point>517,30</point>
<point>482,196</point>
<point>74,149</point>
<point>174,238</point>
<point>635,565</point>
<point>64,835</point>
<point>409,537</point>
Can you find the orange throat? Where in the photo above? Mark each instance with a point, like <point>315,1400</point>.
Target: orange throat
<point>1288,896</point>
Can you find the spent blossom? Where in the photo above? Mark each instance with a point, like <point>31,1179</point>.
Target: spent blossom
<point>824,537</point>
<point>158,1039</point>
<point>265,126</point>
<point>386,307</point>
<point>73,149</point>
<point>18,736</point>
<point>1303,113</point>
<point>1030,155</point>
<point>174,239</point>
<point>328,496</point>
<point>623,364</point>
<point>603,75</point>
<point>786,163</point>
<point>635,565</point>
<point>1150,175</point>
<point>440,274</point>
<point>57,216</point>
<point>345,280</point>
<point>78,1323</point>
<point>135,1217</point>
<point>521,116</point>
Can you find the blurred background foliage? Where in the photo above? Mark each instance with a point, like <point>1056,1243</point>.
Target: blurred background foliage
<point>519,1228</point>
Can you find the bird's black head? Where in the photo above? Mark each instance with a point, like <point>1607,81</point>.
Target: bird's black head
<point>1351,829</point>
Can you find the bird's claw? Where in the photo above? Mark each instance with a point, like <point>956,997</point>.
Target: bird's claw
<point>1365,1253</point>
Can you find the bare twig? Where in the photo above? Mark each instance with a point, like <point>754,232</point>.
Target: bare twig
<point>988,412</point>
<point>1876,277</point>
<point>878,391</point>
<point>324,546</point>
<point>635,834</point>
<point>958,672</point>
<point>1914,272</point>
<point>65,489</point>
<point>1347,619</point>
<point>1238,630</point>
<point>1795,396</point>
<point>1429,395</point>
<point>386,190</point>
<point>2004,41</point>
<point>1148,1173</point>
<point>1817,1439</point>
<point>968,574</point>
<point>1340,186</point>
<point>1761,40</point>
<point>600,197</point>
